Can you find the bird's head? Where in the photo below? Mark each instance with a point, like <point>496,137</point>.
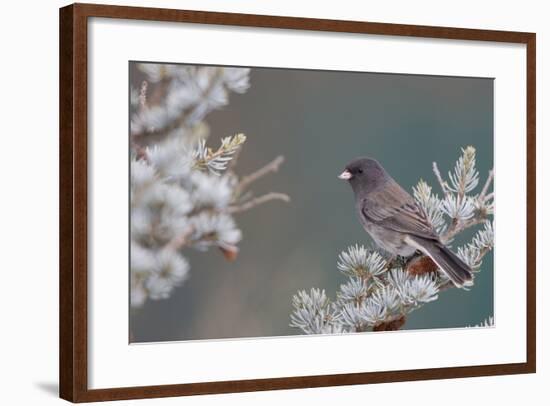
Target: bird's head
<point>364,174</point>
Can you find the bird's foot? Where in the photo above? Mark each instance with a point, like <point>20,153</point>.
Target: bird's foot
<point>391,262</point>
<point>411,258</point>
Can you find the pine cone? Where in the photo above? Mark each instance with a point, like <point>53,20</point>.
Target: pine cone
<point>390,325</point>
<point>421,265</point>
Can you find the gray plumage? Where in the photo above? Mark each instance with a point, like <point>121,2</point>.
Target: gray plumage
<point>396,222</point>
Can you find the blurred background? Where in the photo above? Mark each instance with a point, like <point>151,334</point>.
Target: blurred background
<point>319,121</point>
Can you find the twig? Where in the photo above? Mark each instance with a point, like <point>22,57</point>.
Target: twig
<point>461,226</point>
<point>231,165</point>
<point>273,166</point>
<point>141,152</point>
<point>180,241</point>
<point>482,253</point>
<point>184,116</point>
<point>257,201</point>
<point>143,96</point>
<point>485,189</point>
<point>442,183</point>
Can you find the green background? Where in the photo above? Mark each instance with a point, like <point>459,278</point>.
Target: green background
<point>320,120</point>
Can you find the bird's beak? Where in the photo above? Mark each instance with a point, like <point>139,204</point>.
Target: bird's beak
<point>346,175</point>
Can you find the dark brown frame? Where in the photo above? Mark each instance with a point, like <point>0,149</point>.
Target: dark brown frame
<point>73,362</point>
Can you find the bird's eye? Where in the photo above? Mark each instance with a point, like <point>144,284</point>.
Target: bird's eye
<point>359,170</point>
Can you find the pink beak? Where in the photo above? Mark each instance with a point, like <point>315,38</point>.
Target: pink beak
<point>346,175</point>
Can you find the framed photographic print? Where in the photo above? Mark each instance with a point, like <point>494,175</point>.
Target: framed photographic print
<point>255,202</point>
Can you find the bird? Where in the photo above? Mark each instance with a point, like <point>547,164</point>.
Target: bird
<point>396,222</point>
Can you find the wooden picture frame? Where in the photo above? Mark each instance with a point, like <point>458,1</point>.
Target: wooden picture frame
<point>73,200</point>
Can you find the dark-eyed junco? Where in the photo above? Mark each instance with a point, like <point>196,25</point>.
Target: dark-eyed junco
<point>396,222</point>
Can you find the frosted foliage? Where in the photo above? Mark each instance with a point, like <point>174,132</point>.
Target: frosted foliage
<point>191,93</point>
<point>488,322</point>
<point>431,203</point>
<point>380,293</point>
<point>473,252</point>
<point>314,313</point>
<point>183,192</point>
<point>358,260</point>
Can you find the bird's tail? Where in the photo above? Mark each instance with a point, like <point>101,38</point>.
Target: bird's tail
<point>457,271</point>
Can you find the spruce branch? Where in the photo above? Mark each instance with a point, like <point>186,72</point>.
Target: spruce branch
<point>459,226</point>
<point>482,242</point>
<point>183,194</point>
<point>379,294</point>
<point>217,161</point>
<point>444,186</point>
<point>183,96</point>
<point>465,211</point>
<point>465,176</point>
<point>483,195</point>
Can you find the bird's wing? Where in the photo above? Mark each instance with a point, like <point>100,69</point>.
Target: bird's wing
<point>393,208</point>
